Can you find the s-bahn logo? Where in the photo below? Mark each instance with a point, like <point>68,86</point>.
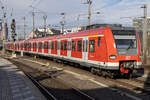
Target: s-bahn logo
<point>128,57</point>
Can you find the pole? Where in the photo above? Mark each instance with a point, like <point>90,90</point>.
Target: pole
<point>63,22</point>
<point>24,27</point>
<point>4,36</point>
<point>44,19</point>
<point>145,35</point>
<point>33,15</point>
<point>89,11</point>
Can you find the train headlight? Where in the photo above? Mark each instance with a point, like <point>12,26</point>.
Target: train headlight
<point>112,57</point>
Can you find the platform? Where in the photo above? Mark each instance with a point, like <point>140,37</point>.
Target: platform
<point>14,85</point>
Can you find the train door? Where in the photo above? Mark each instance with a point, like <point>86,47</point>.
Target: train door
<point>29,46</point>
<point>39,47</point>
<point>73,48</point>
<point>21,46</point>
<point>42,47</point>
<point>15,46</point>
<point>18,46</point>
<point>49,46</point>
<point>85,49</point>
<point>79,48</point>
<point>46,47</point>
<point>63,47</point>
<point>76,49</point>
<point>25,46</point>
<point>69,48</point>
<point>54,47</point>
<point>58,47</point>
<point>92,48</point>
<point>33,46</point>
<point>95,50</point>
<point>12,46</point>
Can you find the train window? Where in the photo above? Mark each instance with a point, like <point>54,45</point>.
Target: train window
<point>79,45</point>
<point>29,45</point>
<point>55,45</point>
<point>58,45</point>
<point>18,45</point>
<point>65,45</point>
<point>40,45</point>
<point>21,45</point>
<point>34,45</point>
<point>25,45</point>
<point>61,45</point>
<point>69,45</point>
<point>99,41</point>
<point>92,46</point>
<point>46,45</point>
<point>83,45</point>
<point>52,45</point>
<point>15,46</point>
<point>73,45</point>
<point>86,46</point>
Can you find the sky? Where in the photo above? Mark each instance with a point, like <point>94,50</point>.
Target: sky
<point>76,12</point>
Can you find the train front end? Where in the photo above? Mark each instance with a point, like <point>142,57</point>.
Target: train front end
<point>127,44</point>
<point>124,51</point>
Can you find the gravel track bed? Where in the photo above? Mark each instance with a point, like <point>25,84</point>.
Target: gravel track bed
<point>60,90</point>
<point>90,88</point>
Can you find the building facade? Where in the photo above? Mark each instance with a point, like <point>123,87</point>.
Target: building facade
<point>138,24</point>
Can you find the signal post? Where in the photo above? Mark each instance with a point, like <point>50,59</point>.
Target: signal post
<point>13,35</point>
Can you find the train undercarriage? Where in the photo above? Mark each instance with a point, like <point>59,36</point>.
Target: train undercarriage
<point>126,70</point>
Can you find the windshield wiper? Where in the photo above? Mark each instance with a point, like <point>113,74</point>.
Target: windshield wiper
<point>129,47</point>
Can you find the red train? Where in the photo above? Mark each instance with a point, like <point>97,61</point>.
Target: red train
<point>109,50</point>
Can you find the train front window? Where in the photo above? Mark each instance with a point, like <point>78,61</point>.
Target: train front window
<point>126,43</point>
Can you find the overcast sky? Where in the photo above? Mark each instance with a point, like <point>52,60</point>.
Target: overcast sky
<point>111,11</point>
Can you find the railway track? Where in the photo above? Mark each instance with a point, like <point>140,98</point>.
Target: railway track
<point>52,88</point>
<point>136,85</point>
<point>118,82</point>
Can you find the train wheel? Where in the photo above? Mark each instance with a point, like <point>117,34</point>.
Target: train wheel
<point>112,76</point>
<point>130,75</point>
<point>93,71</point>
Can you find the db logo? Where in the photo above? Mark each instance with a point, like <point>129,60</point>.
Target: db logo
<point>128,57</point>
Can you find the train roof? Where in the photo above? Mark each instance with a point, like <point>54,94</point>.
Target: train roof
<point>118,27</point>
<point>77,34</point>
<point>94,31</point>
